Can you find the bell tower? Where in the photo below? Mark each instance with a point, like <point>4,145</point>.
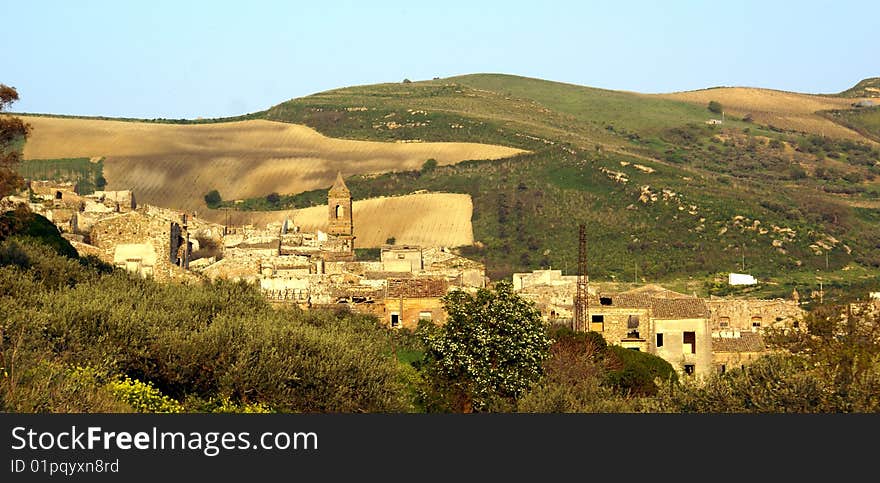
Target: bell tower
<point>339,203</point>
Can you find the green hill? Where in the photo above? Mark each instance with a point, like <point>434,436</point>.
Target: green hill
<point>664,195</point>
<point>869,87</point>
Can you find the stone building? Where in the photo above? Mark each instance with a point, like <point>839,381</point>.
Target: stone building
<point>408,300</point>
<point>667,324</point>
<point>754,315</point>
<point>401,258</point>
<point>150,242</point>
<point>681,334</point>
<point>736,350</point>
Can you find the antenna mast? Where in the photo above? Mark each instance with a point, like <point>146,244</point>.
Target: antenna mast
<point>581,301</point>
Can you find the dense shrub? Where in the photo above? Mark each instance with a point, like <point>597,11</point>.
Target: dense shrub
<point>217,341</point>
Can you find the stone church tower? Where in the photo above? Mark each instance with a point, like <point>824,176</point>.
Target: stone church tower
<point>339,202</point>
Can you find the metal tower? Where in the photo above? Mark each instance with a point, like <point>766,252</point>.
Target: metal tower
<point>581,301</point>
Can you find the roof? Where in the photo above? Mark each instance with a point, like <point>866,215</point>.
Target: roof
<point>379,275</point>
<point>345,291</point>
<point>339,188</point>
<point>679,308</point>
<point>746,342</point>
<point>422,287</point>
<point>620,301</point>
<point>656,291</point>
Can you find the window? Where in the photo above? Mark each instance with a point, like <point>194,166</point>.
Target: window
<point>605,300</point>
<point>634,349</point>
<point>724,322</point>
<point>425,315</point>
<point>756,321</point>
<point>659,340</point>
<point>689,369</point>
<point>722,369</point>
<point>57,195</point>
<point>795,324</point>
<point>401,256</point>
<point>632,322</point>
<point>598,323</point>
<point>340,211</point>
<point>395,319</point>
<point>690,342</point>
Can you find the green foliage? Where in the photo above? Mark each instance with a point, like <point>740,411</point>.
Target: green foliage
<point>489,352</point>
<point>24,224</point>
<point>715,106</point>
<point>864,88</point>
<point>215,341</point>
<point>772,384</point>
<point>367,254</point>
<point>429,165</point>
<point>213,199</point>
<point>86,175</point>
<point>636,372</point>
<point>865,121</point>
<point>143,397</point>
<point>29,384</point>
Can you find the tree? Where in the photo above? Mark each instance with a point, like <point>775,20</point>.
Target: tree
<point>715,106</point>
<point>429,165</point>
<point>489,353</point>
<point>212,199</point>
<point>12,132</point>
<point>273,198</point>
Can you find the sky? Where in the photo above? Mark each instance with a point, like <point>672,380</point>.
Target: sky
<point>189,59</point>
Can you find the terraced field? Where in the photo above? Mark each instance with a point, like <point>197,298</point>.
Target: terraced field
<point>175,165</point>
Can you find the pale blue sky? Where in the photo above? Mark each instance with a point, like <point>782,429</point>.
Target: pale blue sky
<point>217,58</point>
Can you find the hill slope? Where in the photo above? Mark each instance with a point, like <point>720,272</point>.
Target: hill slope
<point>175,165</point>
<point>664,195</point>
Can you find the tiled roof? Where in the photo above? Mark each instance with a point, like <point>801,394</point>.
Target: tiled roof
<point>620,301</point>
<point>416,287</point>
<point>386,275</point>
<point>746,342</point>
<point>656,291</point>
<point>679,308</point>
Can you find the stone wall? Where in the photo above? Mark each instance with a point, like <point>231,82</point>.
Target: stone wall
<point>754,314</point>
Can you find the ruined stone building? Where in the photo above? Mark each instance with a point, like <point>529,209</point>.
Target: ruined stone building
<point>753,315</point>
<point>695,335</point>
<point>311,270</point>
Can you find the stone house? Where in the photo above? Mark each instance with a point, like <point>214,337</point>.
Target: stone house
<point>408,300</point>
<point>667,324</point>
<point>681,334</point>
<point>145,242</point>
<point>732,350</point>
<point>754,315</point>
<point>401,258</point>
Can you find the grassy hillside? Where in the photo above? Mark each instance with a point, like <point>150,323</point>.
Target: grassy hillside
<point>869,87</point>
<point>665,196</point>
<point>865,121</point>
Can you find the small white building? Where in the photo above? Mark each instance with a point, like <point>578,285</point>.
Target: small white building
<point>741,279</point>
